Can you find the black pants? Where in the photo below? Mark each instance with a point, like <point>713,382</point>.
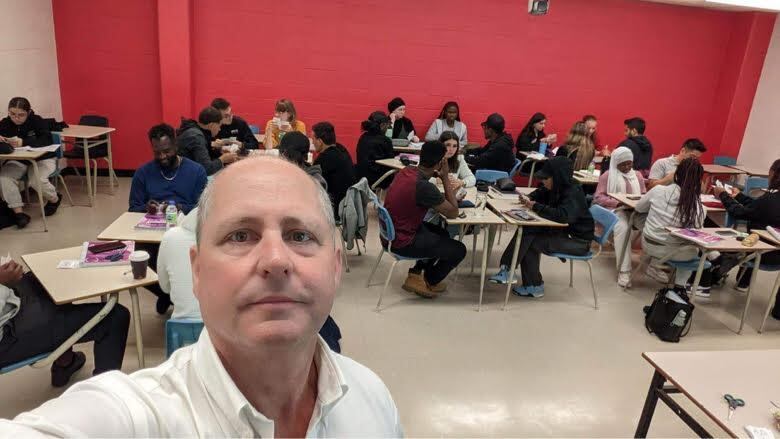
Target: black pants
<point>433,242</point>
<point>153,250</point>
<point>42,326</point>
<point>535,241</point>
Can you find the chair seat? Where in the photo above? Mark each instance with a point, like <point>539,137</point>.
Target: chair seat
<point>762,267</point>
<point>406,258</point>
<point>692,264</point>
<point>23,363</point>
<point>585,257</point>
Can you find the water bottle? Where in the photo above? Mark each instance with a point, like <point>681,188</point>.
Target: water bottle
<point>592,168</point>
<point>679,319</point>
<point>171,213</point>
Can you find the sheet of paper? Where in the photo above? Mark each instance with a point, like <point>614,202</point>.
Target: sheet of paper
<point>68,264</point>
<point>50,148</point>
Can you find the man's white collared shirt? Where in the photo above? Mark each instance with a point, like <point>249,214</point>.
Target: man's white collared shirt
<point>192,394</point>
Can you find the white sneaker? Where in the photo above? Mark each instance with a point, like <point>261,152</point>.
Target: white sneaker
<point>703,293</point>
<point>656,273</point>
<point>624,279</point>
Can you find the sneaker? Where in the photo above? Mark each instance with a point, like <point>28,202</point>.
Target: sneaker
<point>502,277</point>
<point>741,288</point>
<point>163,303</point>
<point>656,273</point>
<point>535,291</point>
<point>60,375</point>
<point>624,279</point>
<point>21,220</point>
<point>51,207</point>
<point>415,283</point>
<point>704,293</point>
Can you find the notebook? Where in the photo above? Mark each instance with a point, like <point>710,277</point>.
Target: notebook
<point>112,257</point>
<point>698,236</point>
<point>151,222</point>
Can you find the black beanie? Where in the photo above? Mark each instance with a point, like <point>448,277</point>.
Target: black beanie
<point>395,103</point>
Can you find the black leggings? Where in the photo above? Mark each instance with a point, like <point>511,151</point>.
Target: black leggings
<point>536,241</point>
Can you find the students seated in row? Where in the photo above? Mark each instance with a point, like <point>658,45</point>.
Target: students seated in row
<point>195,137</point>
<point>497,152</point>
<point>169,177</point>
<point>373,145</point>
<point>32,324</point>
<point>663,169</point>
<point>401,126</point>
<point>591,123</point>
<point>675,205</point>
<point>285,121</point>
<point>759,213</point>
<point>448,120</point>
<point>559,199</point>
<point>23,127</point>
<point>460,174</point>
<point>335,162</point>
<point>578,147</point>
<point>408,200</point>
<point>233,126</point>
<point>638,144</point>
<point>295,148</point>
<point>620,179</point>
<point>533,134</point>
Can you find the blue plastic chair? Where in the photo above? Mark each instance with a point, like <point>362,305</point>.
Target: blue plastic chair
<point>607,220</point>
<point>180,333</point>
<point>751,184</point>
<point>490,175</point>
<point>20,364</point>
<point>724,160</point>
<point>387,232</point>
<point>255,129</point>
<point>516,168</point>
<point>772,293</point>
<point>690,265</point>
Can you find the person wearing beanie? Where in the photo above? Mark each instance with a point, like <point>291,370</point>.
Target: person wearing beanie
<point>295,148</point>
<point>401,126</point>
<point>497,153</point>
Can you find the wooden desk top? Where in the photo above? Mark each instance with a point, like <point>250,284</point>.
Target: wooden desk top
<point>728,244</point>
<point>123,228</point>
<point>500,205</point>
<point>69,285</point>
<point>766,236</point>
<point>407,149</point>
<point>583,177</point>
<point>624,200</point>
<point>532,155</point>
<point>84,131</point>
<point>751,171</point>
<point>704,377</point>
<point>487,217</point>
<point>391,163</point>
<point>718,169</point>
<point>23,155</point>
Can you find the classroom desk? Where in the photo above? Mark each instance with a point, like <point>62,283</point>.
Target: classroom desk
<point>728,245</point>
<point>473,218</point>
<point>751,171</point>
<point>123,228</point>
<point>766,236</point>
<point>712,170</point>
<point>704,377</point>
<point>586,178</point>
<point>534,157</point>
<point>85,133</point>
<point>500,205</point>
<point>70,285</point>
<point>31,157</point>
<point>407,149</point>
<point>393,163</point>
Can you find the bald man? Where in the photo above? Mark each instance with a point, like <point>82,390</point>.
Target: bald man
<point>265,268</point>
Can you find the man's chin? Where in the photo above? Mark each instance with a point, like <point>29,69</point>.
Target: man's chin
<point>278,332</point>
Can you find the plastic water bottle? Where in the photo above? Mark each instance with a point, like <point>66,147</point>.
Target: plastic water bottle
<point>679,319</point>
<point>592,168</point>
<point>171,214</point>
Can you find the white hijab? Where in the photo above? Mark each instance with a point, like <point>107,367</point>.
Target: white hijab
<point>616,180</point>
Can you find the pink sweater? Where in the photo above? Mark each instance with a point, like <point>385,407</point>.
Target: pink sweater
<point>602,199</point>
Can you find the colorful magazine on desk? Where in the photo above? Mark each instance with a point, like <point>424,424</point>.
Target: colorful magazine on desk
<point>112,257</point>
<point>152,222</point>
<point>699,236</point>
<point>774,231</point>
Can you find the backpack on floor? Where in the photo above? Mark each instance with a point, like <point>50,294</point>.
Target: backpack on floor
<point>669,316</point>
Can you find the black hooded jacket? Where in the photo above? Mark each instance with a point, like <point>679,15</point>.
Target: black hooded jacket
<point>496,154</point>
<point>642,149</point>
<point>566,202</point>
<point>195,144</point>
<point>34,132</point>
<point>241,131</point>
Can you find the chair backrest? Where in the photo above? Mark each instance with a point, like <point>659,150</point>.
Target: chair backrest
<point>724,160</point>
<point>94,120</point>
<point>606,219</point>
<point>490,175</point>
<point>386,227</point>
<point>180,333</point>
<point>255,129</point>
<point>516,168</point>
<point>755,183</point>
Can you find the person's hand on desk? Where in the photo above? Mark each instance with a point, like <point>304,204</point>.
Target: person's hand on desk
<point>415,139</point>
<point>152,206</point>
<point>10,273</point>
<point>527,202</point>
<point>228,157</point>
<point>14,141</point>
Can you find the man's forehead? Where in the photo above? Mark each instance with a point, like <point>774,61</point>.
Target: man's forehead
<point>270,184</point>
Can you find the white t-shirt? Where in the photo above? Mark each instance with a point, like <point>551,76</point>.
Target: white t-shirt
<point>192,395</point>
<point>174,272</point>
<point>660,204</point>
<point>662,167</point>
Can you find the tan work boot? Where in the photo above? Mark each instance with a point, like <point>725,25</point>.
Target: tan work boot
<point>437,288</point>
<point>415,283</point>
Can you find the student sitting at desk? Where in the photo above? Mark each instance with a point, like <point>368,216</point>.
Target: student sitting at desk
<point>663,169</point>
<point>285,121</point>
<point>295,148</point>
<point>559,199</point>
<point>408,200</point>
<point>533,134</point>
<point>23,127</point>
<point>578,147</point>
<point>448,120</point>
<point>335,162</point>
<point>373,145</point>
<point>169,177</point>
<point>401,126</point>
<point>675,205</point>
<point>620,179</point>
<point>460,173</point>
<point>497,152</point>
<point>32,324</point>
<point>233,126</point>
<point>638,144</point>
<point>194,141</point>
<point>759,213</point>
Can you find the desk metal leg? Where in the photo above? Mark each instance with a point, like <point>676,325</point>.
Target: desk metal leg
<point>139,339</point>
<point>624,250</point>
<point>473,246</point>
<point>485,252</point>
<point>90,197</point>
<point>514,264</point>
<point>651,401</point>
<point>531,176</point>
<point>111,175</point>
<point>40,193</point>
<point>753,277</point>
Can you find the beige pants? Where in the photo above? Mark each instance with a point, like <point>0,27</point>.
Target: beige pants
<point>13,171</point>
<point>682,252</point>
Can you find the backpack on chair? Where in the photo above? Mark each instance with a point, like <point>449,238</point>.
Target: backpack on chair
<point>670,315</point>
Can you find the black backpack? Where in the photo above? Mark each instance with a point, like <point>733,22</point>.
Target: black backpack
<point>669,316</point>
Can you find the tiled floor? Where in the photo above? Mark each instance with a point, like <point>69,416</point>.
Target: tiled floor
<point>549,367</point>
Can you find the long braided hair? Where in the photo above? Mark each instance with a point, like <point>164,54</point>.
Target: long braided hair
<point>689,177</point>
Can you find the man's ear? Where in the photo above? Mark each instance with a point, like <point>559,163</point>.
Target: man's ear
<point>195,269</point>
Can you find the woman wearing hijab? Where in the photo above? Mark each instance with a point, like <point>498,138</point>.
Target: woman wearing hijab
<point>620,179</point>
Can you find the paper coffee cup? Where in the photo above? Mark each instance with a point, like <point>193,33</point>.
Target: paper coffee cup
<point>139,262</point>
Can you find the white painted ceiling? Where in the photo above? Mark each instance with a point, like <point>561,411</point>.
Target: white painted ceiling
<point>703,4</point>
